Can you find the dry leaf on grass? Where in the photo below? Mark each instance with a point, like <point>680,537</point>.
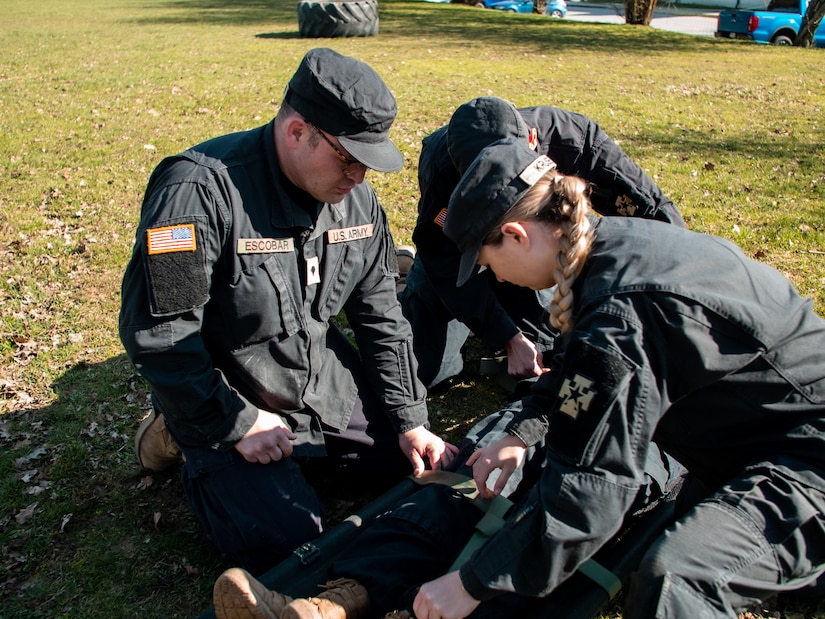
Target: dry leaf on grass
<point>25,515</point>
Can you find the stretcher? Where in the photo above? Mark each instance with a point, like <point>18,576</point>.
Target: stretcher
<point>581,596</point>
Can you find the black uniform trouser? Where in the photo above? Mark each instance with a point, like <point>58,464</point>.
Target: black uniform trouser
<point>760,535</point>
<point>257,514</point>
<point>419,539</point>
<point>437,336</point>
<point>415,542</point>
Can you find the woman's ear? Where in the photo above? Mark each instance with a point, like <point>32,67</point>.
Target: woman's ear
<point>516,231</point>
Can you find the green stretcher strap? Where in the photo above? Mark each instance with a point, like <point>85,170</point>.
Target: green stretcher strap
<point>493,519</point>
<point>494,509</point>
<point>497,506</point>
<point>458,482</point>
<point>602,576</point>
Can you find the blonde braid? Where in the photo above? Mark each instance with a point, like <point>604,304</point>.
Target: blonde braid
<point>575,242</point>
<point>561,200</point>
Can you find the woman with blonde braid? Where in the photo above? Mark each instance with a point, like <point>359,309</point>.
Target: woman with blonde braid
<point>561,200</point>
<point>667,335</point>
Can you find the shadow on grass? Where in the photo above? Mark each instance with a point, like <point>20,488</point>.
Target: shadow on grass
<point>804,154</point>
<point>224,12</point>
<point>278,35</point>
<point>85,532</point>
<point>453,24</point>
<point>458,24</point>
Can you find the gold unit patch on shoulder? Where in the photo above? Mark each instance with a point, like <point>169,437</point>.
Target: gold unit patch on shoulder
<point>170,239</point>
<point>625,206</point>
<point>265,246</point>
<point>441,218</point>
<point>576,395</point>
<point>345,235</point>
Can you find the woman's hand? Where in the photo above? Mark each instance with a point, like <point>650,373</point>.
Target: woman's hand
<point>444,598</point>
<point>506,454</point>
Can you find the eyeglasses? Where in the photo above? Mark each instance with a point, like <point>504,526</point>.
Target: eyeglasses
<point>351,166</point>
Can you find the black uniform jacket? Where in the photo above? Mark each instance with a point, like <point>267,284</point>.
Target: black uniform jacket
<point>678,339</point>
<point>579,147</point>
<point>228,298</point>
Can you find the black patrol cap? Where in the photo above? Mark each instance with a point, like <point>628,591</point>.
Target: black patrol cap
<point>348,99</point>
<point>490,187</point>
<point>479,123</point>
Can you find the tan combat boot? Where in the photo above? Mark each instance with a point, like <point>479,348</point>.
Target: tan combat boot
<point>154,446</point>
<point>237,595</point>
<point>343,599</point>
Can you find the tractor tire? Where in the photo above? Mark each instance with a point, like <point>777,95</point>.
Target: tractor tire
<point>337,19</point>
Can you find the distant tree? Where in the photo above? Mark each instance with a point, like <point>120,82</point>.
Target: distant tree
<point>810,22</point>
<point>640,12</point>
<point>540,6</point>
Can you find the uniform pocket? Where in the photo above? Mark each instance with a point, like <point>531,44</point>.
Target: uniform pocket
<point>287,304</point>
<point>342,270</point>
<point>261,306</point>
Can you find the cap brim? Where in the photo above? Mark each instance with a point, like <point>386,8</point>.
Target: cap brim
<point>382,156</point>
<point>469,265</point>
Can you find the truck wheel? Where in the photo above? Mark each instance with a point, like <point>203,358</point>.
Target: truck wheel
<point>782,39</point>
<point>337,19</point>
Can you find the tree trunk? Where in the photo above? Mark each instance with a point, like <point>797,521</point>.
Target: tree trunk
<point>639,12</point>
<point>810,22</point>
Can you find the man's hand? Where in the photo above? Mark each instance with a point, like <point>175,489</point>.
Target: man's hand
<point>444,598</point>
<point>523,358</point>
<point>506,454</point>
<point>420,443</point>
<point>268,440</point>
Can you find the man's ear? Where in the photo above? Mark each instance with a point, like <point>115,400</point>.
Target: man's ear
<point>533,138</point>
<point>296,130</point>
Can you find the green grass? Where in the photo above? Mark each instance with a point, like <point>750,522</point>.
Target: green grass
<point>94,93</point>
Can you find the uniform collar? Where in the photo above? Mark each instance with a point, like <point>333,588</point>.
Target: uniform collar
<point>286,211</point>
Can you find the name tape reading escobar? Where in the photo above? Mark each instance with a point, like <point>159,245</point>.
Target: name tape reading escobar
<point>342,235</point>
<point>265,246</point>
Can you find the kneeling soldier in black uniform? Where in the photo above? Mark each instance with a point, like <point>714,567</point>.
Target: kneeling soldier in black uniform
<point>248,246</point>
<point>667,334</point>
<point>509,320</point>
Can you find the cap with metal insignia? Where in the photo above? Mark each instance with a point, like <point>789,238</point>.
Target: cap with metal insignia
<point>490,187</point>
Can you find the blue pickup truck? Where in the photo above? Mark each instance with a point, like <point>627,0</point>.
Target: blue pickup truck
<point>777,24</point>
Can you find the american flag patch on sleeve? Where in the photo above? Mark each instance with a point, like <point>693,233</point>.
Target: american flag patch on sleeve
<point>170,239</point>
<point>441,217</point>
